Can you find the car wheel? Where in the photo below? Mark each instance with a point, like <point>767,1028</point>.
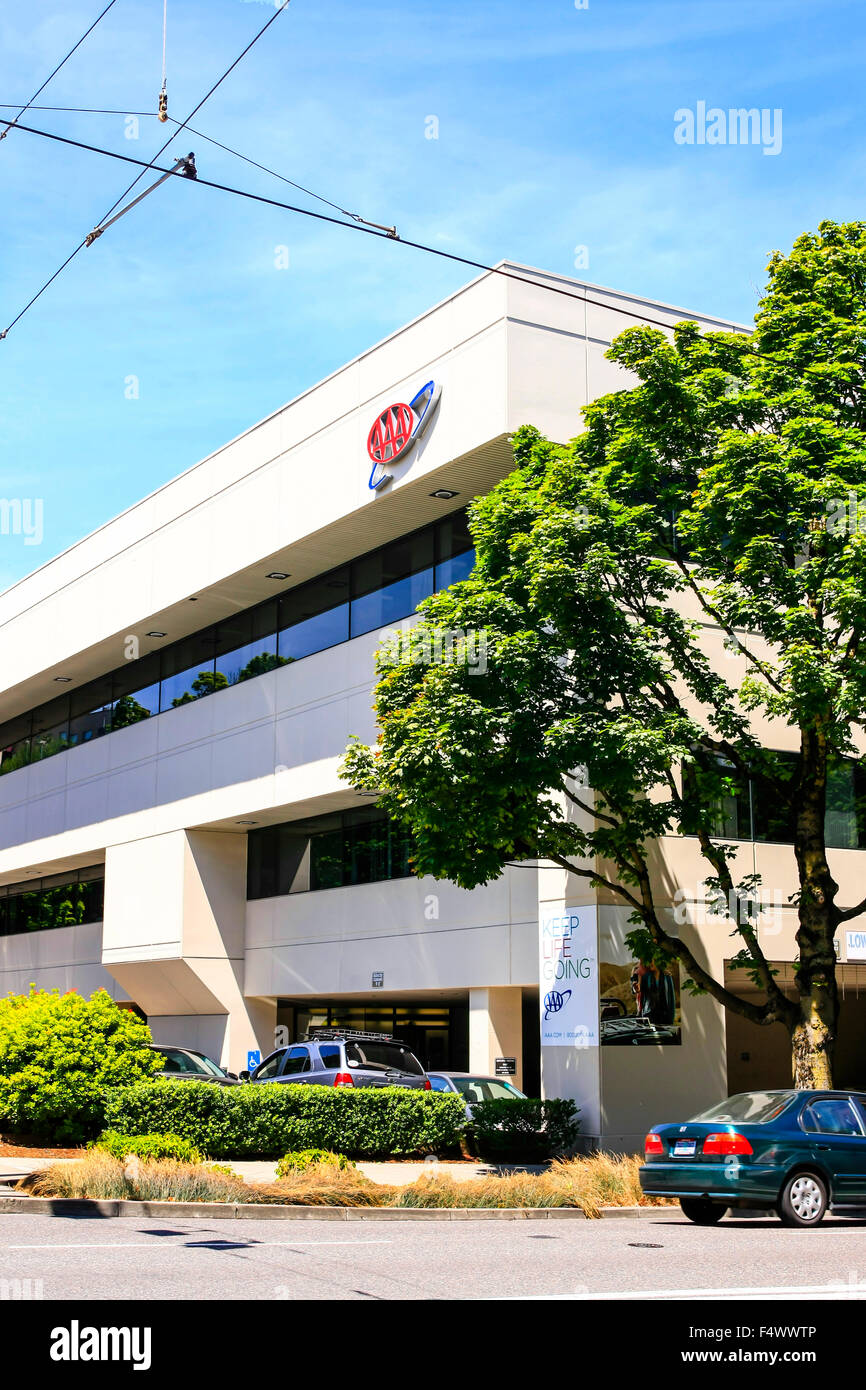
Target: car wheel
<point>804,1200</point>
<point>702,1212</point>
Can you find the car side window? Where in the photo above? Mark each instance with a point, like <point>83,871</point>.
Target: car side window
<point>438,1083</point>
<point>330,1057</point>
<point>270,1066</point>
<point>170,1062</point>
<point>297,1060</point>
<point>832,1117</point>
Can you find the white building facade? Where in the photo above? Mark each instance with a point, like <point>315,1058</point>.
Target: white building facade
<point>180,686</point>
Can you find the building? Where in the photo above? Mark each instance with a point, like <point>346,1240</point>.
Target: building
<point>179,688</point>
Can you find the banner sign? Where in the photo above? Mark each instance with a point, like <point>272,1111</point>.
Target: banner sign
<point>568,975</point>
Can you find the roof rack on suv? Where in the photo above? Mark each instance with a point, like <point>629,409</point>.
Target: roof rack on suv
<point>347,1034</point>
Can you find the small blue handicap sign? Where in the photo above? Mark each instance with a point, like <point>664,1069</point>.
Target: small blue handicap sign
<point>253,1059</point>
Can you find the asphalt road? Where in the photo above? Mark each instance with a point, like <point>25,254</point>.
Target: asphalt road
<point>130,1258</point>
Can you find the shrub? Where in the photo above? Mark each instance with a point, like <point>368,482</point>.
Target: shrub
<point>147,1146</point>
<point>524,1129</point>
<point>267,1121</point>
<point>61,1055</point>
<point>302,1159</point>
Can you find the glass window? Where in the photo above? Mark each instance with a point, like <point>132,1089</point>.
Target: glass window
<point>831,1117</point>
<point>135,692</point>
<point>383,1056</point>
<point>455,556</point>
<point>756,1107</point>
<point>15,743</point>
<point>50,729</point>
<point>439,1083</point>
<point>270,1066</point>
<point>175,1060</point>
<point>188,671</point>
<point>327,858</point>
<point>351,847</point>
<point>330,1056</point>
<point>90,711</point>
<point>477,1088</point>
<point>246,646</point>
<point>297,1060</point>
<point>389,584</point>
<point>314,616</point>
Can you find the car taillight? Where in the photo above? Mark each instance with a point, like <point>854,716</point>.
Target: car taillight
<point>727,1144</point>
<point>343,1078</point>
<point>428,1084</point>
<point>653,1145</point>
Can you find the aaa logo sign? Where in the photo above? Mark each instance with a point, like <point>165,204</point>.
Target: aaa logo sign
<point>397,430</point>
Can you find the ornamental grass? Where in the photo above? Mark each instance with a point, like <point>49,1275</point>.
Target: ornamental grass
<point>585,1183</point>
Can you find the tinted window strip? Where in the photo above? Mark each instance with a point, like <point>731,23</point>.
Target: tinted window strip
<point>207,661</point>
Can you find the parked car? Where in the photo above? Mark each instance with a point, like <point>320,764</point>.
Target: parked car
<point>798,1153</point>
<point>343,1057</point>
<point>184,1064</point>
<point>472,1088</point>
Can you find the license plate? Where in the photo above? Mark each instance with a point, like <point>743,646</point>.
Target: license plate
<point>684,1148</point>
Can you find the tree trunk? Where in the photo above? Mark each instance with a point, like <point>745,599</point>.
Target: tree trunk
<point>813,1038</point>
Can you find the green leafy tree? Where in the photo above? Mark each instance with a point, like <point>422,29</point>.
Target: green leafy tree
<point>127,710</point>
<point>59,1053</point>
<point>205,683</point>
<point>725,490</point>
<point>259,665</point>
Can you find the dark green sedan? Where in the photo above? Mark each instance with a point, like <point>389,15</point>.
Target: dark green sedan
<point>799,1153</point>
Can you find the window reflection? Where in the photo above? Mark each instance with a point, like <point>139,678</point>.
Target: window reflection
<point>59,901</point>
<point>135,692</point>
<point>246,646</point>
<point>376,590</point>
<point>188,671</point>
<point>315,616</point>
<point>334,851</point>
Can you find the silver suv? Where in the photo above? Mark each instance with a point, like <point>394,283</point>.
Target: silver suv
<point>343,1057</point>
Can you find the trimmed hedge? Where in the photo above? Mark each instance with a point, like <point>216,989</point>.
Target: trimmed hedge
<point>528,1130</point>
<point>266,1121</point>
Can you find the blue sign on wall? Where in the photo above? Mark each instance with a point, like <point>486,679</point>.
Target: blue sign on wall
<point>253,1059</point>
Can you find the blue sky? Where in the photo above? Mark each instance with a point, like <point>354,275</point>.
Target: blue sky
<point>555,130</point>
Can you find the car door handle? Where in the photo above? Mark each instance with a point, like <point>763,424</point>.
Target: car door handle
<point>822,1146</point>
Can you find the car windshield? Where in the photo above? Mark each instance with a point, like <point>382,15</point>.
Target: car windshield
<point>175,1060</point>
<point>207,1065</point>
<point>752,1107</point>
<point>476,1088</point>
<point>383,1056</point>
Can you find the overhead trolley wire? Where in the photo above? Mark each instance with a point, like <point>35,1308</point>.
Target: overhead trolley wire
<point>355,216</point>
<point>79,110</point>
<point>88,240</point>
<point>369,229</point>
<point>200,135</point>
<point>53,74</point>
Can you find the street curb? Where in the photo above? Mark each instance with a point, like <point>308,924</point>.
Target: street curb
<point>85,1206</point>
